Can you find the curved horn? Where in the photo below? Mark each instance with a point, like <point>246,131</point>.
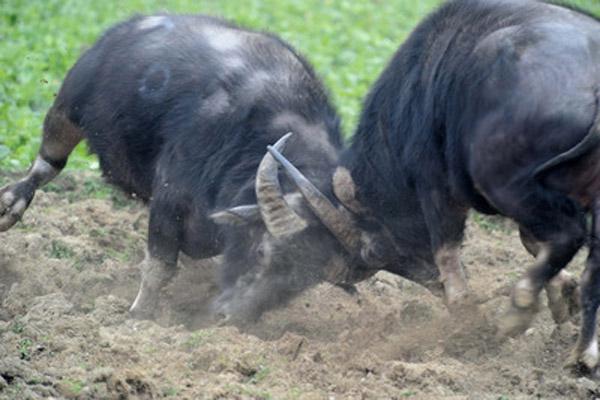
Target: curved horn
<point>336,221</point>
<point>277,215</point>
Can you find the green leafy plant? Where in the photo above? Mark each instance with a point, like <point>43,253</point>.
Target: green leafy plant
<point>17,326</point>
<point>60,250</point>
<point>74,386</point>
<point>196,339</point>
<point>25,348</point>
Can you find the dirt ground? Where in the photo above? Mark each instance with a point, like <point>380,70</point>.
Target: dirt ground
<point>68,273</point>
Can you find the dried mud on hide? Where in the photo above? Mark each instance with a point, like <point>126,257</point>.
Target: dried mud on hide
<point>68,273</point>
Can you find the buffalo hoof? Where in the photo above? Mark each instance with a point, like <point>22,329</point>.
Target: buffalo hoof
<point>456,294</point>
<point>142,310</point>
<point>524,306</point>
<point>563,297</point>
<point>459,301</point>
<point>516,321</point>
<point>156,274</point>
<point>584,361</point>
<point>223,311</point>
<point>14,200</point>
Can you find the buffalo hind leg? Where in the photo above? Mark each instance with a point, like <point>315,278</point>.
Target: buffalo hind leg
<point>562,291</point>
<point>585,352</point>
<point>554,221</point>
<point>59,139</point>
<point>160,265</point>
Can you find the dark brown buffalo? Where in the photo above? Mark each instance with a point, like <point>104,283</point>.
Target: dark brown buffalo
<point>491,105</point>
<point>179,110</point>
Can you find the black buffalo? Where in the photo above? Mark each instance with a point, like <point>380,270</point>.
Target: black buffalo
<point>492,105</point>
<point>179,110</point>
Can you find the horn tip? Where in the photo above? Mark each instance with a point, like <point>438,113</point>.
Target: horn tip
<point>282,141</point>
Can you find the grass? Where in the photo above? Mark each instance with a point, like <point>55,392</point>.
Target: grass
<point>259,375</point>
<point>349,42</point>
<point>25,349</point>
<point>17,326</point>
<point>170,391</point>
<point>61,250</point>
<point>247,392</point>
<point>197,339</point>
<point>73,386</point>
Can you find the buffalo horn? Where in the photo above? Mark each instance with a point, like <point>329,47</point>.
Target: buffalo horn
<point>279,218</point>
<point>335,220</point>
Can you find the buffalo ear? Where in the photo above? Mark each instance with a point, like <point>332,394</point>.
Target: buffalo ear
<point>240,215</point>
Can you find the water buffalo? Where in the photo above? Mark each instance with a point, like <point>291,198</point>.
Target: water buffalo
<point>491,105</point>
<point>179,110</point>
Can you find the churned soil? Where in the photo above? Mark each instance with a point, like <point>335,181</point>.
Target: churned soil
<point>68,273</point>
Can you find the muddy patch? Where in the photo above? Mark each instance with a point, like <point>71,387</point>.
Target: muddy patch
<point>68,273</point>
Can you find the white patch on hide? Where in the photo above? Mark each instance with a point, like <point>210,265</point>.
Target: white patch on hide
<point>223,39</point>
<point>216,104</point>
<point>155,21</point>
<point>257,83</point>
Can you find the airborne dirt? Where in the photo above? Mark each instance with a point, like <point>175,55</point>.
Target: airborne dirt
<point>68,273</point>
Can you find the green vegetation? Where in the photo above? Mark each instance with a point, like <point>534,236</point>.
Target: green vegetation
<point>197,339</point>
<point>60,250</point>
<point>349,43</point>
<point>17,326</point>
<point>25,348</point>
<point>170,392</point>
<point>73,386</point>
<point>259,375</point>
<point>491,223</point>
<point>247,392</point>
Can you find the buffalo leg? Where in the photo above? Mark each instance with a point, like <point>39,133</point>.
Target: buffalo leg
<point>562,291</point>
<point>160,265</point>
<point>446,223</point>
<point>557,224</point>
<point>586,349</point>
<point>59,139</point>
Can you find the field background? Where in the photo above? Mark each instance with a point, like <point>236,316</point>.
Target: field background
<point>349,42</point>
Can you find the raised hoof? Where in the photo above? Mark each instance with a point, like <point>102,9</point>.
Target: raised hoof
<point>516,321</point>
<point>524,296</point>
<point>14,200</point>
<point>563,299</point>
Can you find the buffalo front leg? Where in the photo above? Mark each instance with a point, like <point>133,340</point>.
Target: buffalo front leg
<point>585,352</point>
<point>452,274</point>
<point>160,265</point>
<point>445,222</point>
<point>60,138</point>
<point>155,274</point>
<point>562,291</point>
